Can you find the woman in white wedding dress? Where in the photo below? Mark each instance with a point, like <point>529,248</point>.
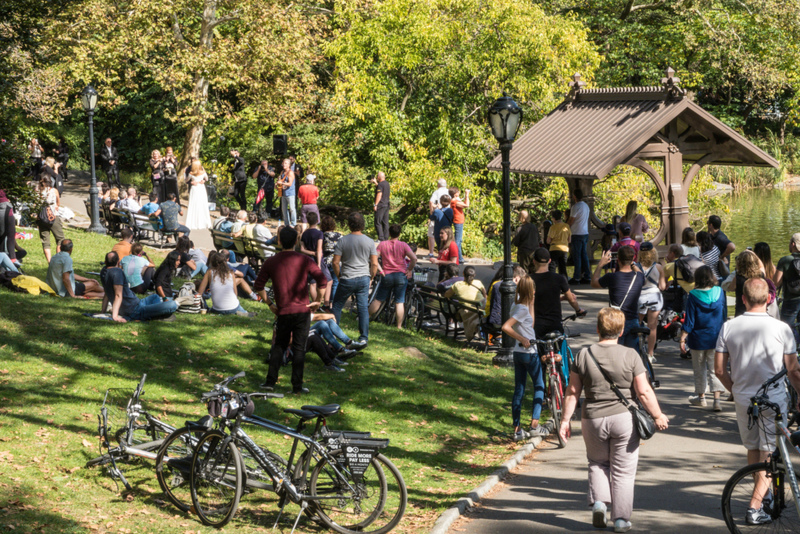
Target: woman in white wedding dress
<point>198,216</point>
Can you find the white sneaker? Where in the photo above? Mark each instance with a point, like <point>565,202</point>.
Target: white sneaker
<point>652,358</point>
<point>599,515</point>
<point>538,431</point>
<point>717,405</point>
<point>697,400</point>
<point>620,525</point>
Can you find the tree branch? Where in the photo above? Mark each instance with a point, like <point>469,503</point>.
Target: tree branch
<point>176,30</point>
<point>222,20</point>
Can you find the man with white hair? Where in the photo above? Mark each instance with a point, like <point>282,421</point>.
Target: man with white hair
<point>433,205</point>
<point>309,194</point>
<point>130,203</point>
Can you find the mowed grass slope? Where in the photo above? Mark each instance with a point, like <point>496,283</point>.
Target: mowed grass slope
<point>445,409</point>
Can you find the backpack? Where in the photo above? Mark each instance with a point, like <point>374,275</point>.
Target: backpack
<point>792,277</point>
<point>188,300</point>
<point>688,265</point>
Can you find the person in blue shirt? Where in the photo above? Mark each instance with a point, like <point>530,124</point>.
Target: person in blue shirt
<point>125,305</point>
<point>441,217</point>
<point>169,212</point>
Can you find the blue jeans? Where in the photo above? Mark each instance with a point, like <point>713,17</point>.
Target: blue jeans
<point>228,312</point>
<point>458,237</point>
<point>790,309</point>
<point>360,287</point>
<point>289,210</point>
<point>580,255</point>
<point>525,364</point>
<point>201,269</point>
<point>153,307</point>
<point>7,264</point>
<point>334,282</point>
<point>331,332</point>
<point>628,339</point>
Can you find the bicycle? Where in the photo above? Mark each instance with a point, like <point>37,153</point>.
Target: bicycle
<point>765,483</point>
<point>643,332</point>
<point>553,374</point>
<point>135,438</point>
<point>351,488</point>
<point>414,303</point>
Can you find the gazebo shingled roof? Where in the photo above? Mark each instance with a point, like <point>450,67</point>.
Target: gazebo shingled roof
<point>594,130</point>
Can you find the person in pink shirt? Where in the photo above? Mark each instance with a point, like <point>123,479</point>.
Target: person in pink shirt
<point>398,261</point>
<point>626,240</point>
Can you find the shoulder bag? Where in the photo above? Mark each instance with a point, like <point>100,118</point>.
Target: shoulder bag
<point>644,422</point>
<point>626,294</point>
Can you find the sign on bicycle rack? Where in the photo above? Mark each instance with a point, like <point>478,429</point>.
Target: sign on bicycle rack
<point>359,454</point>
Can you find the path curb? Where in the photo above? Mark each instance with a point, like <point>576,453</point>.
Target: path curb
<point>449,516</point>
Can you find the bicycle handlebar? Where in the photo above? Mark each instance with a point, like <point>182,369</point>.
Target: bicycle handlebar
<point>222,387</point>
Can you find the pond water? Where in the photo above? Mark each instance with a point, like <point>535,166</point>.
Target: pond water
<point>770,215</point>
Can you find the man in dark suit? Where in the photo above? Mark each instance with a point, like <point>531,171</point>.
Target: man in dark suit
<point>110,159</point>
<point>239,179</point>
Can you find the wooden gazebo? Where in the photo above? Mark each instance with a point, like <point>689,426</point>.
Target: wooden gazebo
<point>594,130</point>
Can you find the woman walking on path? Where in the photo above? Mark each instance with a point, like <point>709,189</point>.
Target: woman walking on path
<point>458,205</point>
<point>637,221</point>
<point>706,310</point>
<point>526,361</point>
<point>198,216</point>
<point>651,301</point>
<point>50,197</point>
<point>611,438</point>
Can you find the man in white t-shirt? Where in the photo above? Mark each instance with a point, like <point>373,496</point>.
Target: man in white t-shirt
<point>579,224</point>
<point>433,205</point>
<point>757,347</point>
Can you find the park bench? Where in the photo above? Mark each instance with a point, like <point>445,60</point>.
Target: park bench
<point>445,310</point>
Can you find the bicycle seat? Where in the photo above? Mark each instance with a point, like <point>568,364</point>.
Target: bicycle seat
<point>640,330</point>
<point>328,409</point>
<point>552,335</point>
<point>302,414</point>
<point>201,425</point>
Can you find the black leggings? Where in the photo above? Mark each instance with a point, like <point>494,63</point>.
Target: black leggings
<point>318,346</point>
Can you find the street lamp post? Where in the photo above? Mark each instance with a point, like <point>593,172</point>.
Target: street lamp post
<point>89,102</point>
<point>505,116</point>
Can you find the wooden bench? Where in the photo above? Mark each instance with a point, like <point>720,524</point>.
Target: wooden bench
<point>447,310</point>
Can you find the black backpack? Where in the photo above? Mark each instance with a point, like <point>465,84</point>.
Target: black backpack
<point>792,277</point>
<point>688,265</point>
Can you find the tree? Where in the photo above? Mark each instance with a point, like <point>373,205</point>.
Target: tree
<point>217,58</point>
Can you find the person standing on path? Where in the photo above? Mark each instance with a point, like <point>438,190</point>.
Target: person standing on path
<point>559,238</point>
<point>526,240</point>
<point>651,299</point>
<point>289,272</point>
<point>636,220</point>
<point>721,241</point>
<point>458,205</point>
<point>239,177</point>
<point>624,287</point>
<point>110,159</point>
<point>551,288</point>
<point>264,176</point>
<point>398,267</point>
<point>381,206</point>
<point>612,442</point>
<point>526,360</point>
<point>433,205</point>
<point>197,217</point>
<point>288,187</point>
<point>787,275</point>
<point>757,347</point>
<point>355,262</point>
<point>579,225</point>
<point>706,311</point>
<point>308,194</point>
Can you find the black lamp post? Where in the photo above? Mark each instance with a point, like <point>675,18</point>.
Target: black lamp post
<point>89,101</point>
<point>505,116</point>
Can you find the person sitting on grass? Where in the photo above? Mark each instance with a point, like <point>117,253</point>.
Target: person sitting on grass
<point>163,277</point>
<point>123,246</point>
<point>125,306</point>
<point>139,270</point>
<point>62,278</point>
<point>244,268</point>
<point>223,283</point>
<point>199,259</point>
<point>325,324</point>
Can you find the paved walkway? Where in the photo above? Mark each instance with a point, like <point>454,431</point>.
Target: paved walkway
<point>681,472</point>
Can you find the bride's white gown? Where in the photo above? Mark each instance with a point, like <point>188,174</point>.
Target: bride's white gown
<point>198,216</point>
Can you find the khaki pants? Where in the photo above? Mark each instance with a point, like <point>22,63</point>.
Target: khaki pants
<point>705,379</point>
<point>612,448</point>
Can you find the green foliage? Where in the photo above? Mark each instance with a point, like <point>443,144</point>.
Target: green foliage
<point>14,163</point>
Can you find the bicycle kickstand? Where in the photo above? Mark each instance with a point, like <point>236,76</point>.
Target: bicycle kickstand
<point>303,506</point>
<point>283,501</point>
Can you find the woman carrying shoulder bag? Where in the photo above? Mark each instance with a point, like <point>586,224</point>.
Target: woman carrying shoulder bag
<point>608,427</point>
<point>52,201</point>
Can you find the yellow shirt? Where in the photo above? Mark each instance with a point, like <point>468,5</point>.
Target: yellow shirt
<point>669,270</point>
<point>559,235</point>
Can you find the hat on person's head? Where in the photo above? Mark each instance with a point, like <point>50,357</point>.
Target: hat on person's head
<point>311,178</point>
<point>624,227</point>
<point>796,240</point>
<point>542,255</point>
<point>442,182</point>
<point>609,229</point>
<point>647,245</point>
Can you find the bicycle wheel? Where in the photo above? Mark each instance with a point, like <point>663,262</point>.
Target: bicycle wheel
<point>217,479</point>
<point>374,504</point>
<point>557,406</point>
<point>174,467</point>
<point>738,493</point>
<point>414,310</point>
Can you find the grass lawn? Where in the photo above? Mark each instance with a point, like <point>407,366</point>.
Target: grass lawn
<point>445,409</point>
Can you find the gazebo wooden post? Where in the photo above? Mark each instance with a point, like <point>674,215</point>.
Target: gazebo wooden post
<point>678,196</point>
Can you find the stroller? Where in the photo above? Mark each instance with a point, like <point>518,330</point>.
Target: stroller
<point>672,316</point>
